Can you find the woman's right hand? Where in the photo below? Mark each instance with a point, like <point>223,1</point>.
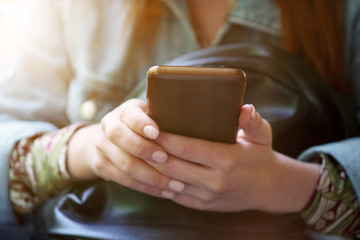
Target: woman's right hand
<point>119,149</point>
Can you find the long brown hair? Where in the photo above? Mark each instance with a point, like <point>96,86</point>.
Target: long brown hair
<point>136,37</point>
<point>313,30</point>
<point>142,20</point>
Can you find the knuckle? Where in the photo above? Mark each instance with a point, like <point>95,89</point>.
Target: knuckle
<point>134,122</point>
<point>156,180</point>
<point>98,159</point>
<point>122,108</point>
<point>139,148</point>
<point>218,187</point>
<point>107,120</point>
<point>131,115</point>
<point>113,133</point>
<point>111,130</point>
<point>133,184</point>
<point>99,164</point>
<point>209,197</point>
<point>226,164</point>
<point>111,127</point>
<point>136,102</point>
<point>186,150</point>
<point>127,167</point>
<point>100,142</point>
<point>168,168</point>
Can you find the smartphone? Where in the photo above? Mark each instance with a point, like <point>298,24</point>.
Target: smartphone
<point>199,102</point>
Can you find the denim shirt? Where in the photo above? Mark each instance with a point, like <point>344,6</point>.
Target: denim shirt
<point>258,20</point>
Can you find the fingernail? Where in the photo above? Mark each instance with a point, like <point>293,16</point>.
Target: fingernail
<point>253,113</point>
<point>177,186</point>
<point>151,132</point>
<point>159,156</point>
<point>167,194</point>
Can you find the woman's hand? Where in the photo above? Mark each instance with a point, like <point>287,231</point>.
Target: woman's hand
<point>119,149</point>
<point>242,176</point>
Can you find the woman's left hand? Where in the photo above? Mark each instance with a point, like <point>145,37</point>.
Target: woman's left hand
<point>242,176</point>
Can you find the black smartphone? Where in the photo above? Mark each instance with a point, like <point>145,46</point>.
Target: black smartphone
<point>199,102</point>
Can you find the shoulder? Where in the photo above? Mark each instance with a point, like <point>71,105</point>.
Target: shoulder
<point>352,13</point>
<point>352,44</point>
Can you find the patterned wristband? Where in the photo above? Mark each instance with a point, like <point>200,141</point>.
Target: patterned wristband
<point>334,208</point>
<point>38,168</point>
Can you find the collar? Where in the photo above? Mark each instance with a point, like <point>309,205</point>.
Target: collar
<point>262,15</point>
<point>180,9</point>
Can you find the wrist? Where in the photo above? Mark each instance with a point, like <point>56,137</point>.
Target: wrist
<point>80,151</point>
<point>291,185</point>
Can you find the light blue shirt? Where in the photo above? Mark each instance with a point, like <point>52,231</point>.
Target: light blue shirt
<point>258,20</point>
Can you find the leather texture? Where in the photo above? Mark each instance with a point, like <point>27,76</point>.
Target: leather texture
<point>302,111</point>
<point>108,211</point>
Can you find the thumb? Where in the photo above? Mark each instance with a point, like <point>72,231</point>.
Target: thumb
<point>253,127</point>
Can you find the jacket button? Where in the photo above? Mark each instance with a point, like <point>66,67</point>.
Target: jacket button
<point>88,110</point>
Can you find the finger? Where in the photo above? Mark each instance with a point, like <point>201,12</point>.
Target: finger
<point>253,127</point>
<point>187,172</point>
<point>193,149</point>
<point>198,192</point>
<point>123,137</point>
<point>110,172</point>
<point>192,202</point>
<point>133,114</point>
<point>133,168</point>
